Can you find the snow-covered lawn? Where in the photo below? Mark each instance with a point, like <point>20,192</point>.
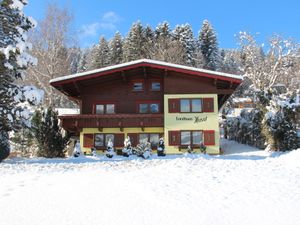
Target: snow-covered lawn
<point>243,186</point>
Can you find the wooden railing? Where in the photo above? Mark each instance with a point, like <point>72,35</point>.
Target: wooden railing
<point>77,122</point>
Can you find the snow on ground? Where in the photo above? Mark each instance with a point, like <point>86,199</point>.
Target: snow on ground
<point>243,186</point>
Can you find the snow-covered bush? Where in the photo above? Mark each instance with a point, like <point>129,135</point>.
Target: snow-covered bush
<point>279,123</point>
<point>271,124</point>
<point>51,143</point>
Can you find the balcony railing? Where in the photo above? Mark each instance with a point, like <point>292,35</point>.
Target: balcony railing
<point>77,122</point>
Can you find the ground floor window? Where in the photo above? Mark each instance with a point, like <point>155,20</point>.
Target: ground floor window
<point>152,138</point>
<point>191,137</point>
<point>101,140</point>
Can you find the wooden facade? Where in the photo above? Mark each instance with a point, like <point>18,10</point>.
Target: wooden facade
<point>126,90</point>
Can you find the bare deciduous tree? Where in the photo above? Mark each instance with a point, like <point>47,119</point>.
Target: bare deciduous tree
<point>266,69</point>
<point>50,46</point>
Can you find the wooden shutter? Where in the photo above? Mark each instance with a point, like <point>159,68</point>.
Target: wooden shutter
<point>208,104</point>
<point>209,137</point>
<point>88,140</point>
<point>174,138</point>
<point>174,105</point>
<point>119,140</point>
<point>134,139</point>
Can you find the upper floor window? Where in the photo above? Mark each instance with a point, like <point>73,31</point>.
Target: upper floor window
<point>190,105</point>
<point>138,85</point>
<point>155,86</point>
<point>146,107</point>
<point>105,108</point>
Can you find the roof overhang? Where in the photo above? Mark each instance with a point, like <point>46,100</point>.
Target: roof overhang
<point>145,63</point>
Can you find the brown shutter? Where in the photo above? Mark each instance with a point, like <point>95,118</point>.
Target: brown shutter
<point>133,139</point>
<point>174,138</point>
<point>208,104</point>
<point>209,137</point>
<point>119,140</point>
<point>174,105</point>
<point>88,140</point>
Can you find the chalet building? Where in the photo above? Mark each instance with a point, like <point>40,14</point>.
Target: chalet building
<point>145,100</point>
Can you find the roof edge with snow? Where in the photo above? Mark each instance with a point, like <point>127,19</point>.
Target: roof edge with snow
<point>149,62</point>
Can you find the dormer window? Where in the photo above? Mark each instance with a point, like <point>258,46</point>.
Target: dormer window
<point>138,85</point>
<point>155,86</point>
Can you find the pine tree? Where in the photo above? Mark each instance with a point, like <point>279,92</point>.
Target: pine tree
<point>148,47</point>
<point>83,61</point>
<point>13,60</point>
<point>116,49</point>
<point>209,46</point>
<point>100,55</point>
<point>185,35</point>
<point>134,43</point>
<point>48,134</point>
<point>166,48</point>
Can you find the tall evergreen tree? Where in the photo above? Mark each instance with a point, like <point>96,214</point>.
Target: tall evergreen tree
<point>116,49</point>
<point>51,143</point>
<point>166,48</point>
<point>83,61</point>
<point>99,56</point>
<point>148,47</point>
<point>134,42</point>
<point>13,60</point>
<point>209,46</point>
<point>185,35</point>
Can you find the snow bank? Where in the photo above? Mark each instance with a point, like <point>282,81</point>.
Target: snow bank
<point>240,187</point>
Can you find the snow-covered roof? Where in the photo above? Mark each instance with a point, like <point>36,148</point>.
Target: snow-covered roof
<point>146,61</point>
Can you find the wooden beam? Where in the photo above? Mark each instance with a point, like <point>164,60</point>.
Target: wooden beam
<point>215,82</point>
<point>123,76</point>
<point>76,87</point>
<point>166,73</point>
<point>145,72</point>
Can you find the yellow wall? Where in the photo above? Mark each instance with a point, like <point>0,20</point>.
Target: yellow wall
<point>210,122</point>
<point>117,131</point>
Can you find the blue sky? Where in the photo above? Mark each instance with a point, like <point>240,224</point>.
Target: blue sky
<point>93,18</point>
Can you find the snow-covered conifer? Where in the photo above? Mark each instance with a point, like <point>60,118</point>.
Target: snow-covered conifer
<point>116,49</point>
<point>185,35</point>
<point>51,143</point>
<point>209,46</point>
<point>100,55</point>
<point>134,42</point>
<point>14,59</point>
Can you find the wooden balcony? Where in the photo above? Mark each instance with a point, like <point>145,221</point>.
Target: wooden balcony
<point>75,123</point>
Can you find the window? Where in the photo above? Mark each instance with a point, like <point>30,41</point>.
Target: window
<point>185,105</point>
<point>148,107</point>
<point>191,137</point>
<point>110,108</point>
<point>154,108</point>
<point>99,109</point>
<point>143,108</point>
<point>196,105</point>
<point>193,105</point>
<point>185,137</point>
<point>152,138</point>
<point>101,140</point>
<point>155,86</point>
<point>190,105</point>
<point>105,108</point>
<point>138,86</point>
